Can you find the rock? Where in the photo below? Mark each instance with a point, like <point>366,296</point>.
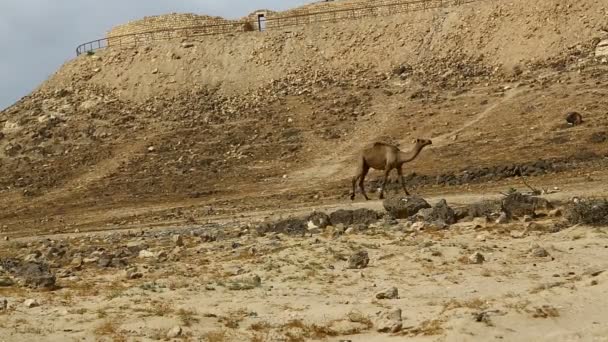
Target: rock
<point>390,293</point>
<point>146,254</point>
<point>503,218</point>
<point>31,303</point>
<point>76,262</point>
<point>484,209</point>
<point>104,261</point>
<point>6,281</point>
<point>3,304</point>
<point>344,217</point>
<point>318,220</point>
<point>574,118</point>
<point>516,234</point>
<point>442,212</point>
<point>418,226</point>
<point>177,240</point>
<point>404,207</point>
<point>365,216</point>
<point>133,274</point>
<point>519,205</point>
<point>35,275</point>
<point>136,246</point>
<point>527,218</point>
<point>358,260</point>
<point>187,45</point>
<point>174,332</point>
<point>601,49</point>
<point>290,226</point>
<point>538,252</point>
<point>246,282</point>
<point>476,258</point>
<point>390,322</point>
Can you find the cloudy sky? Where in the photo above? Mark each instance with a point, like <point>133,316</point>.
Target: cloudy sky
<point>38,36</point>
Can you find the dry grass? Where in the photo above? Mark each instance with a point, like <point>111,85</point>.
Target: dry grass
<point>216,336</point>
<point>426,328</point>
<point>260,326</point>
<point>545,311</point>
<point>475,303</point>
<point>109,328</point>
<point>297,330</point>
<point>187,317</point>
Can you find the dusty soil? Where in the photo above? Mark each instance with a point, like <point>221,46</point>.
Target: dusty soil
<point>224,282</point>
<point>119,151</point>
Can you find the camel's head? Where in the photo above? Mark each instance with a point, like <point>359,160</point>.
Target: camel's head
<point>422,142</point>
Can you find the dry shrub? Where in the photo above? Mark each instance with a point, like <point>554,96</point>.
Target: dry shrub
<point>592,212</point>
<point>476,303</point>
<point>545,311</point>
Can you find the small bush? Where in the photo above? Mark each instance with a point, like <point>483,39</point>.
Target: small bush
<point>588,211</point>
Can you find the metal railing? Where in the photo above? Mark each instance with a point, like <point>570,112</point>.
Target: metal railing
<point>271,23</point>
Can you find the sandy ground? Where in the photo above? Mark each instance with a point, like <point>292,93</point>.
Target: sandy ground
<point>305,290</point>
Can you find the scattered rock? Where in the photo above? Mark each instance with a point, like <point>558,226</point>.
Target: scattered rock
<point>177,240</point>
<point>574,118</point>
<point>6,281</point>
<point>31,303</point>
<point>404,207</point>
<point>35,275</point>
<point>518,205</point>
<point>133,274</point>
<point>503,218</point>
<point>390,321</point>
<point>145,254</point>
<point>290,226</point>
<point>247,282</point>
<point>358,260</point>
<point>476,258</point>
<point>318,220</point>
<point>174,332</point>
<point>601,49</point>
<point>516,234</point>
<point>538,252</point>
<point>390,293</point>
<point>442,212</point>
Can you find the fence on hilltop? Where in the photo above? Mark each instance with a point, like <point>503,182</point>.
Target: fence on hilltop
<point>273,21</point>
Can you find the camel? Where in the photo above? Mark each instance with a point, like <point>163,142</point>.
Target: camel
<point>381,156</point>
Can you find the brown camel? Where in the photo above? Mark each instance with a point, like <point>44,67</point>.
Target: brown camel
<point>380,156</point>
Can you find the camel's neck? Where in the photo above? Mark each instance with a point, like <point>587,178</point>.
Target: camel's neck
<point>405,157</point>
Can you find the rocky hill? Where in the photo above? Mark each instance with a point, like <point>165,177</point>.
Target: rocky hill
<point>280,115</point>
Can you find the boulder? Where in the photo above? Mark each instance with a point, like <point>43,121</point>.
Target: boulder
<point>318,220</point>
<point>601,50</point>
<point>358,260</point>
<point>403,207</point>
<point>519,205</point>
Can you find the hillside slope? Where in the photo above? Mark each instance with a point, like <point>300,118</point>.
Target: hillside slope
<point>281,114</point>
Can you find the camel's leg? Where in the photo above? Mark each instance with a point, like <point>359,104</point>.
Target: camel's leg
<point>386,173</point>
<point>402,180</point>
<point>364,172</point>
<point>354,180</point>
